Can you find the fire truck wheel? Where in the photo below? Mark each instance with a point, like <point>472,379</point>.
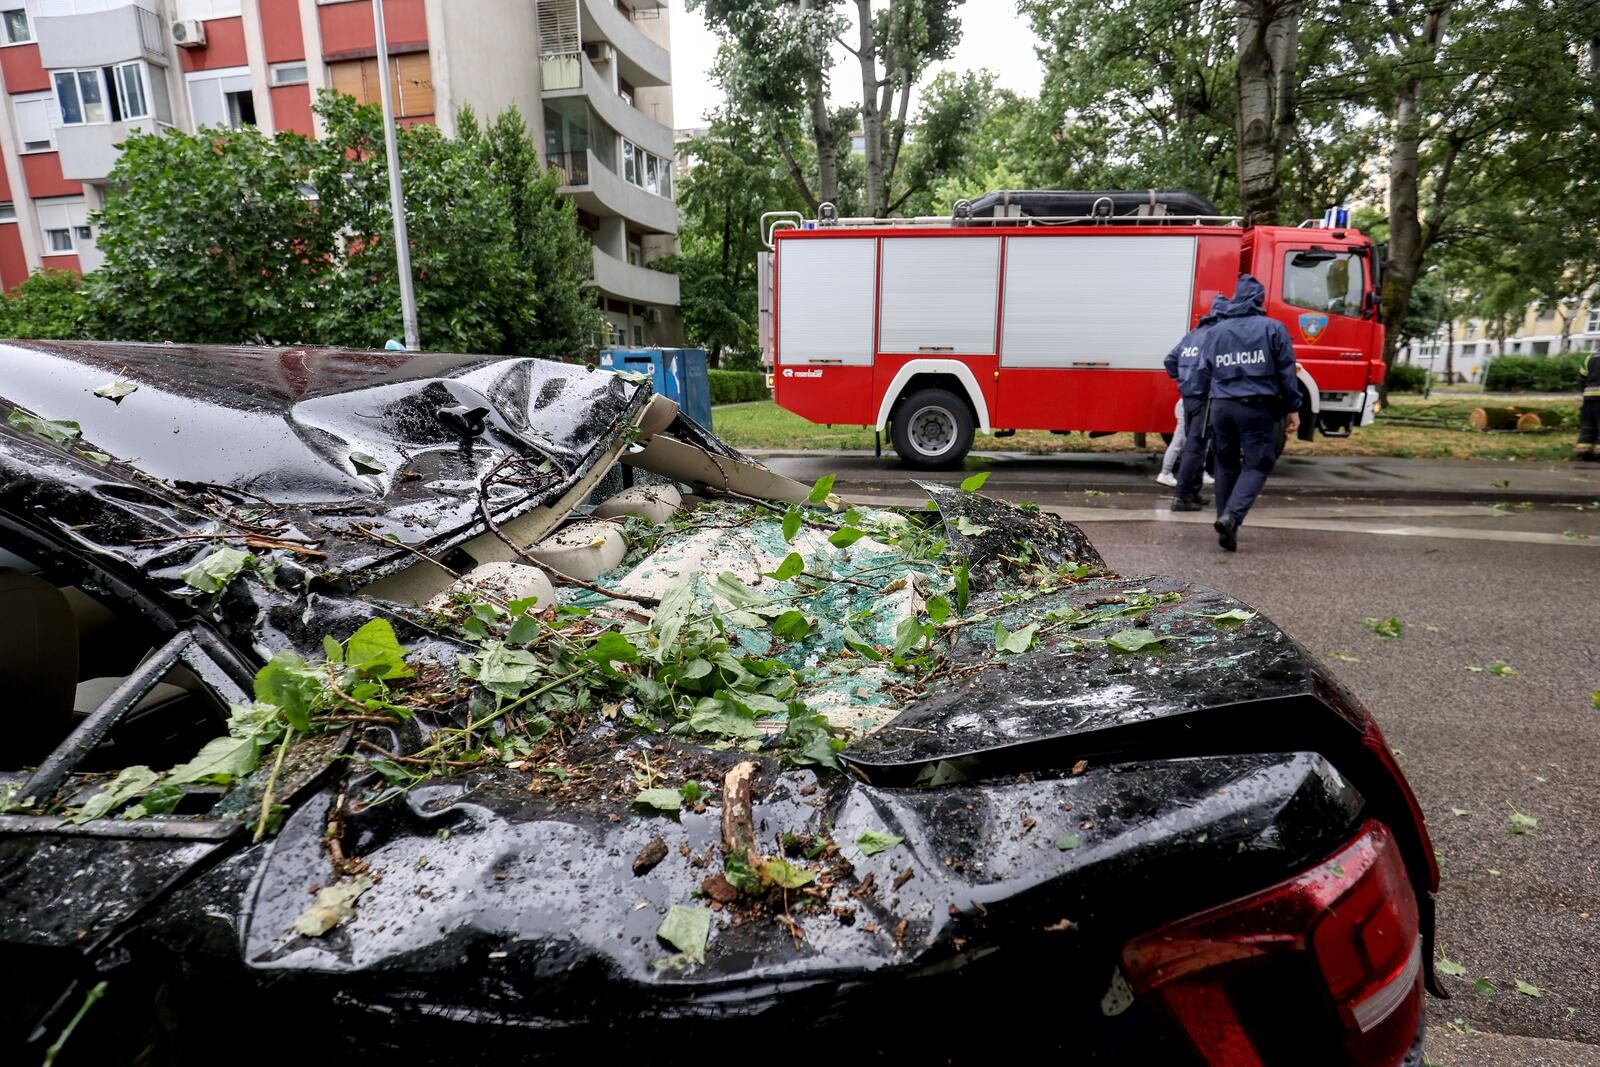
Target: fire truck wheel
<point>931,429</point>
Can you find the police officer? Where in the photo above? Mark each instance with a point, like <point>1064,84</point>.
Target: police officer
<point>1589,414</point>
<point>1253,386</point>
<point>1185,367</point>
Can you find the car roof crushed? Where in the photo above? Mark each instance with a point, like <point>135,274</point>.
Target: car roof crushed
<point>327,510</point>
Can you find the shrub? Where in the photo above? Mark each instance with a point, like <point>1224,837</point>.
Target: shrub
<point>1407,378</point>
<point>1533,374</point>
<point>737,386</point>
<point>49,306</point>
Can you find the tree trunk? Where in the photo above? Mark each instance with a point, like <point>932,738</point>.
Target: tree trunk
<point>1515,418</point>
<point>871,124</point>
<point>827,154</point>
<point>796,174</point>
<point>1269,36</point>
<point>1405,223</point>
<point>1450,353</point>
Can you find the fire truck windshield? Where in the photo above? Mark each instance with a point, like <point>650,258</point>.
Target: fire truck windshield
<point>1323,280</point>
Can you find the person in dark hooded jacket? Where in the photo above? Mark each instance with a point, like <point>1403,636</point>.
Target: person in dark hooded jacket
<point>1250,361</point>
<point>1186,367</point>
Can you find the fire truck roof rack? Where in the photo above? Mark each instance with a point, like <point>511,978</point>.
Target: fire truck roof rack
<point>1151,207</point>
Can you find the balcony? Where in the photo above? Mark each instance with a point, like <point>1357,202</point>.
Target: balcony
<point>623,280</point>
<point>600,191</point>
<point>578,78</point>
<point>101,38</point>
<point>639,59</point>
<point>88,152</point>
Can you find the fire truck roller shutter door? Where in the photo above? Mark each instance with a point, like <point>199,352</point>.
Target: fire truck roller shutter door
<point>1115,302</point>
<point>831,283</point>
<point>940,295</point>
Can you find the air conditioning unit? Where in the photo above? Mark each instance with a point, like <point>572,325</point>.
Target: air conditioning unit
<point>652,315</point>
<point>600,51</point>
<point>189,33</point>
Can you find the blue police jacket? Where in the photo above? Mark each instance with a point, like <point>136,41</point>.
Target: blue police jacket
<point>1248,354</point>
<point>1184,364</point>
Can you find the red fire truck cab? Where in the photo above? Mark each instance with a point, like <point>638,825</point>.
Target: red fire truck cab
<point>1048,311</point>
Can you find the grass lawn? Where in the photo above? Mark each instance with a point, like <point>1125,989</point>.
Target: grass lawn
<point>1444,433</point>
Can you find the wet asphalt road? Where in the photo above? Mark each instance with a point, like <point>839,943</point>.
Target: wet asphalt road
<point>1524,590</point>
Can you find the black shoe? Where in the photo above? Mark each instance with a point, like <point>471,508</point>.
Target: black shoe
<point>1187,503</point>
<point>1227,529</point>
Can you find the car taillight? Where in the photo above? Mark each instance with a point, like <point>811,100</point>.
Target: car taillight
<point>1325,967</point>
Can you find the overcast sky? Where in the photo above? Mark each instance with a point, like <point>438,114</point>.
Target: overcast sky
<point>993,36</point>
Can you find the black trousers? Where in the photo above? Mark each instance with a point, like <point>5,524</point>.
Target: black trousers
<point>1196,436</point>
<point>1588,422</point>
<point>1245,437</point>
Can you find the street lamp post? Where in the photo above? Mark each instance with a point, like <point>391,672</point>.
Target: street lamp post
<point>397,193</point>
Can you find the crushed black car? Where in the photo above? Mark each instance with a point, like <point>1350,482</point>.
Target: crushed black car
<point>455,708</point>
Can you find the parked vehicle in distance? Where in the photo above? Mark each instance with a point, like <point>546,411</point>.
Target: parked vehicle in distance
<point>1046,310</point>
<point>304,753</point>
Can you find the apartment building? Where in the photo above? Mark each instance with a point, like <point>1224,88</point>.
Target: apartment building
<point>1464,348</point>
<point>593,78</point>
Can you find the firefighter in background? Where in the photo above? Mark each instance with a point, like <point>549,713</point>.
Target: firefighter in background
<point>1589,414</point>
<point>1250,361</point>
<point>1185,367</point>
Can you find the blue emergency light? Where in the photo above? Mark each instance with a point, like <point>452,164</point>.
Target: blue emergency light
<point>1336,218</point>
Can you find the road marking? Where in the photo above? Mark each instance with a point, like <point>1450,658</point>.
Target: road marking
<point>1297,519</point>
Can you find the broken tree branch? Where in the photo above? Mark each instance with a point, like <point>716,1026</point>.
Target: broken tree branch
<point>738,811</point>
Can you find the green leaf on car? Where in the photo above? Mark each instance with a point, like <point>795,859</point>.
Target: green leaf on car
<point>687,928</point>
<point>213,573</point>
<point>781,872</point>
<point>791,626</point>
<point>61,432</point>
<point>115,390</point>
<point>1018,641</point>
<point>374,651</point>
<point>824,486</point>
<point>974,483</point>
<point>872,842</point>
<point>662,800</point>
<point>846,537</point>
<point>1134,640</point>
<point>794,563</point>
<point>130,782</point>
<point>365,464</point>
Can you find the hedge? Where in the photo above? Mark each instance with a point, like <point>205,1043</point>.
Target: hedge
<point>1407,378</point>
<point>737,386</point>
<point>1534,374</point>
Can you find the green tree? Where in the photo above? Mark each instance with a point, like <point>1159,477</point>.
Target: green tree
<point>48,306</point>
<point>473,294</point>
<point>1136,95</point>
<point>776,59</point>
<point>736,177</point>
<point>553,251</point>
<point>210,238</point>
<point>227,236</point>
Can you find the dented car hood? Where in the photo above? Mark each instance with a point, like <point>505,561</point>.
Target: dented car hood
<point>363,445</point>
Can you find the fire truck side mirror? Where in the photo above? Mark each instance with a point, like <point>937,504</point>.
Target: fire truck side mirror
<point>1371,304</point>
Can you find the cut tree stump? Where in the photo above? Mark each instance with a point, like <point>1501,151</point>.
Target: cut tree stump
<point>1514,418</point>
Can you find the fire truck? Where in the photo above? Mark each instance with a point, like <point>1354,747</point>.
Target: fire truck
<point>1049,310</point>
